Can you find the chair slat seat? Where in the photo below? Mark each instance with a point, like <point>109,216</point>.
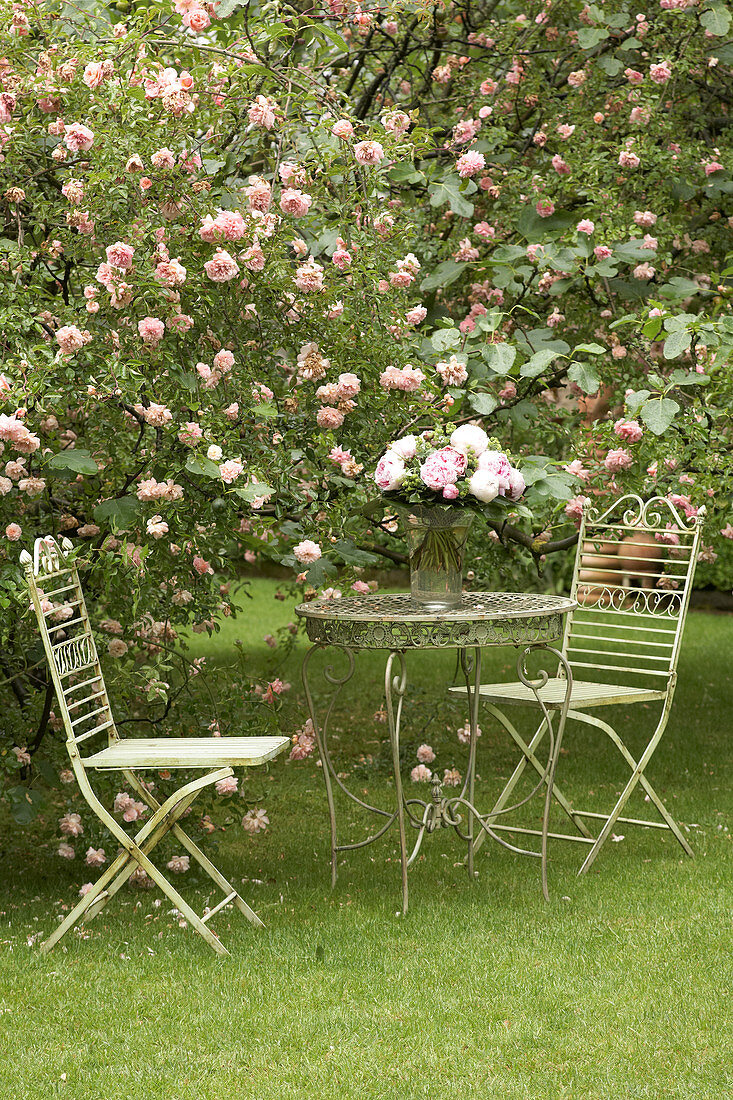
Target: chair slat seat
<point>187,752</point>
<point>584,694</point>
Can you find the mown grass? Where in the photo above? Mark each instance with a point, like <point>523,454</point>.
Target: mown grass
<point>618,988</point>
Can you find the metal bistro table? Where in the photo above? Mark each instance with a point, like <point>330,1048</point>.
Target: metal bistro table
<point>395,624</point>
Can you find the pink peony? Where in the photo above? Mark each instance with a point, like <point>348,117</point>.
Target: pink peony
<point>443,467</point>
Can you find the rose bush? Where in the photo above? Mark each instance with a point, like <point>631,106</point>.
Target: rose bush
<point>244,245</point>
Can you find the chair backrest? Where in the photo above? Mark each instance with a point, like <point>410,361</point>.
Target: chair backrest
<point>633,576</point>
<point>58,601</point>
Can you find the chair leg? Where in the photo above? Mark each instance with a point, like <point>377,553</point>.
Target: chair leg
<point>198,855</point>
<point>86,902</point>
<point>153,830</point>
<point>637,777</point>
<point>146,845</point>
<point>529,757</point>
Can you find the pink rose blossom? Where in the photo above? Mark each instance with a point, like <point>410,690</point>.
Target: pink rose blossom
<point>660,73</point>
<point>151,330</point>
<point>295,202</point>
<point>222,268</point>
<point>585,226</point>
<point>627,159</point>
<point>70,825</point>
<point>179,864</point>
<point>425,754</point>
<point>421,774</point>
<point>227,786</point>
<point>95,857</point>
<point>77,137</point>
<point>343,128</point>
<point>645,218</point>
<point>630,430</point>
<point>13,532</point>
<point>470,164</point>
<point>201,566</point>
<point>574,507</point>
<point>120,255</point>
<point>618,460</point>
<point>307,552</point>
<point>261,113</point>
<point>309,277</point>
<point>230,470</point>
<point>255,821</point>
<point>545,208</point>
<point>368,152</point>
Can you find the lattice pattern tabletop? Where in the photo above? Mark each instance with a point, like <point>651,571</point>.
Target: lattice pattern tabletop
<point>393,621</point>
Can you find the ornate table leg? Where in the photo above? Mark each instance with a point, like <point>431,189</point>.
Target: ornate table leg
<point>471,666</point>
<point>322,738</point>
<point>397,684</point>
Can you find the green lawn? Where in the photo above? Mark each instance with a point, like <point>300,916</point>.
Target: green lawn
<point>618,988</point>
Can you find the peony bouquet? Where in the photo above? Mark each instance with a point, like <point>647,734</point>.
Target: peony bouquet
<point>437,480</point>
<point>465,468</point>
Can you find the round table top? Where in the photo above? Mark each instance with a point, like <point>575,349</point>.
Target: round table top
<point>393,621</point>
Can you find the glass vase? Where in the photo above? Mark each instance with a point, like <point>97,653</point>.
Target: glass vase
<point>436,539</point>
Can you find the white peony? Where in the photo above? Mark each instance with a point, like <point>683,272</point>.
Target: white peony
<point>404,447</point>
<point>469,437</point>
<point>484,486</point>
<point>390,471</point>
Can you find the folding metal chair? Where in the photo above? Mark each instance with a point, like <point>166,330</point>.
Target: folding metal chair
<point>53,582</point>
<point>633,577</point>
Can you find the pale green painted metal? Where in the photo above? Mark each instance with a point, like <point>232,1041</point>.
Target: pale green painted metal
<point>394,623</point>
<point>74,655</point>
<point>643,634</point>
